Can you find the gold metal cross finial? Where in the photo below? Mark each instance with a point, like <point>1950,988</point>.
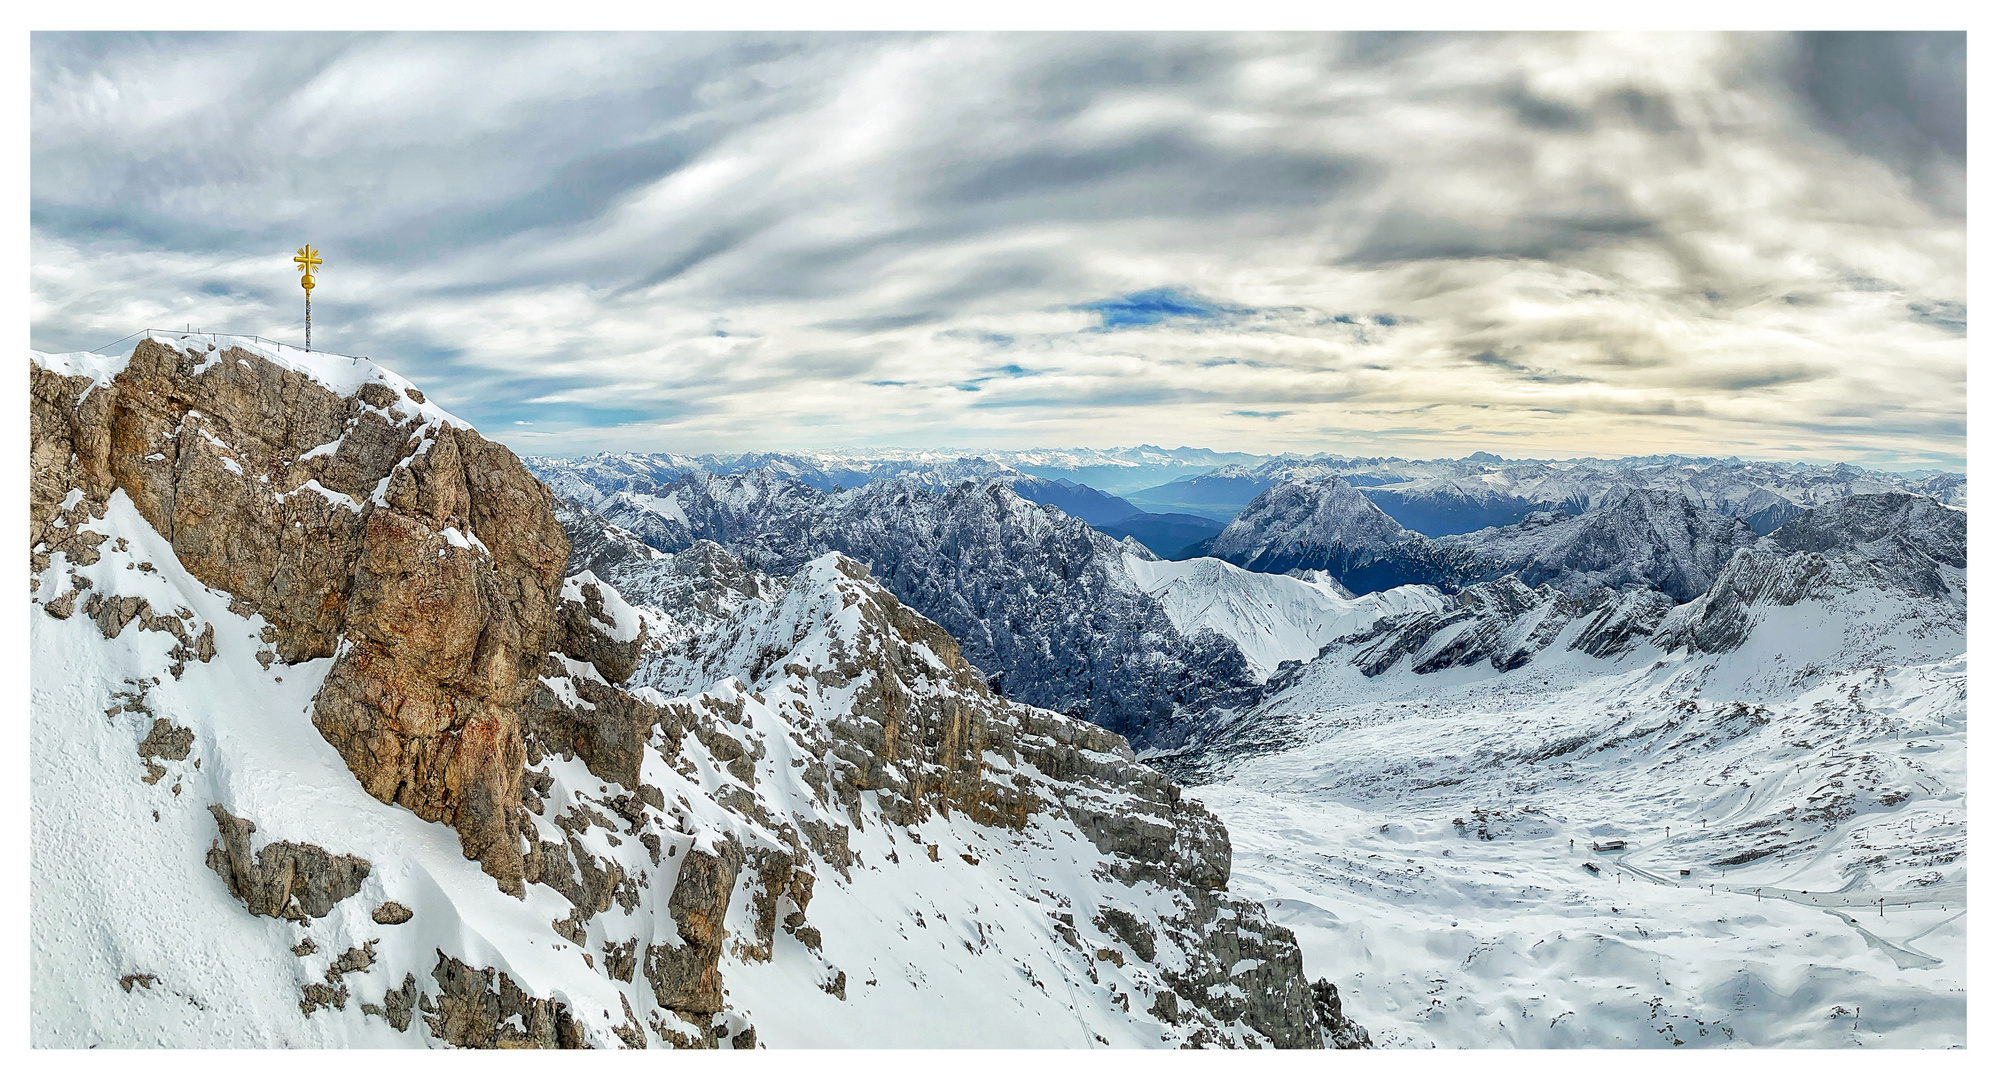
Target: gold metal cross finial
<point>307,259</point>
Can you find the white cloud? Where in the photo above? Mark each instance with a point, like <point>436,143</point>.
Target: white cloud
<point>1603,245</point>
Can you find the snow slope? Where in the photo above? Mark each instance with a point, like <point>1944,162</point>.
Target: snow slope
<point>1793,808</point>
<point>1272,617</point>
<point>135,942</point>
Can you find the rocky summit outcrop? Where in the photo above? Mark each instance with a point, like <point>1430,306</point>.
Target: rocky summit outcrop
<point>789,744</point>
<point>360,521</point>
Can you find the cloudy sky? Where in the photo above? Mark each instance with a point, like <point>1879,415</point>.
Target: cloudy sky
<point>1423,245</point>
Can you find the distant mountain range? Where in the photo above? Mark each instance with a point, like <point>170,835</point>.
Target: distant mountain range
<point>1452,496</point>
<point>1151,493</point>
<point>1055,605</point>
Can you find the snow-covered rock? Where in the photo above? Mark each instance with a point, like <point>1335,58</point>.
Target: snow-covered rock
<point>1320,524</point>
<point>1657,539</point>
<point>1041,602</point>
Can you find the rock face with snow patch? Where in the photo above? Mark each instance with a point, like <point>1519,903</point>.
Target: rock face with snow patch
<point>356,526</point>
<point>1654,538</point>
<point>1658,539</point>
<point>1906,546</point>
<point>893,727</point>
<point>284,880</point>
<point>1910,537</point>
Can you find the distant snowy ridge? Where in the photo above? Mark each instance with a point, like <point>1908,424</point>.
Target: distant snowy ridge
<point>1040,601</point>
<point>1272,617</point>
<point>1451,496</point>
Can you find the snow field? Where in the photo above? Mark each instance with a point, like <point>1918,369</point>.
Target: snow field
<point>1414,831</point>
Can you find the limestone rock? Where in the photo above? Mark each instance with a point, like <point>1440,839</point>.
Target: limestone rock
<point>1339,1032</point>
<point>481,1008</point>
<point>366,527</point>
<point>686,978</point>
<point>285,880</point>
<point>918,733</point>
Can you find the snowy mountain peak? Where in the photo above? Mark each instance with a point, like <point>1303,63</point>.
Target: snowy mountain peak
<point>1323,523</point>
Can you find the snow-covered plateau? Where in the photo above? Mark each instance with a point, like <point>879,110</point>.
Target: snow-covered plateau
<point>1503,839</point>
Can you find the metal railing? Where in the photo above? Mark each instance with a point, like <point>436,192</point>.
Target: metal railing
<point>218,334</point>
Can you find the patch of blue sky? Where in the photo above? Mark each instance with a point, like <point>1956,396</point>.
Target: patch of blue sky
<point>1153,306</point>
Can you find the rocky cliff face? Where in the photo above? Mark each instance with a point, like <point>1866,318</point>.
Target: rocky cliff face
<point>1656,539</point>
<point>1653,538</point>
<point>894,729</point>
<point>1885,553</point>
<point>1910,538</point>
<point>369,526</point>
<point>766,844</point>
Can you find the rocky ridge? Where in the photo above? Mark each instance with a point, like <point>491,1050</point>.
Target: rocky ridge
<point>745,822</point>
<point>1897,549</point>
<point>1650,538</point>
<point>357,526</point>
<point>1039,600</point>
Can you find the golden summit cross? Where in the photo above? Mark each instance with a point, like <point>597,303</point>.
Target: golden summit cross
<point>307,258</point>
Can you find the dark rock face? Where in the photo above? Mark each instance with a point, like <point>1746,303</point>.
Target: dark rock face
<point>1651,538</point>
<point>482,1009</point>
<point>1900,543</point>
<point>1619,622</point>
<point>686,978</point>
<point>1721,620</point>
<point>584,631</point>
<point>1501,622</point>
<point>1909,537</point>
<point>1658,539</point>
<point>1339,1032</point>
<point>285,880</point>
<point>1322,524</point>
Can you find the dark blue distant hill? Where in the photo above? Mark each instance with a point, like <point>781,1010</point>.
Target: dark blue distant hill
<point>1169,536</point>
<point>1075,500</point>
